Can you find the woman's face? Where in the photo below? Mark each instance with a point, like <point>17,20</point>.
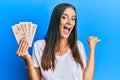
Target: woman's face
<point>67,22</point>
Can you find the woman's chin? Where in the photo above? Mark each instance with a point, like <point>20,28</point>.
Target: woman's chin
<point>65,36</point>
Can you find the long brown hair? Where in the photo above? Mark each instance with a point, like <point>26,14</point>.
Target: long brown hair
<point>52,39</point>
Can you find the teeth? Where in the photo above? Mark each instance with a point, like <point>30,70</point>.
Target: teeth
<point>67,28</point>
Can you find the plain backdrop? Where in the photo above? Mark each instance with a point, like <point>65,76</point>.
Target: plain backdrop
<point>99,18</point>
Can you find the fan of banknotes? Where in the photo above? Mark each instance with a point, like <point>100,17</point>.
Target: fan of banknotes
<point>24,30</point>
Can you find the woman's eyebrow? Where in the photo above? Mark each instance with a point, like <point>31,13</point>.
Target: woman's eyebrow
<point>67,15</point>
<point>64,14</point>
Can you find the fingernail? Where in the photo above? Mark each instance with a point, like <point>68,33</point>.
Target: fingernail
<point>18,54</point>
<point>99,40</point>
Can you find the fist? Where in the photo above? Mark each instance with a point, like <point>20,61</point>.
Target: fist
<point>92,40</point>
<point>23,49</point>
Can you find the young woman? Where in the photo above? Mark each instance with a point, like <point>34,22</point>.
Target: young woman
<point>59,56</point>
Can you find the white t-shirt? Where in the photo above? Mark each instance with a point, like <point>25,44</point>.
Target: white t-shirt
<point>65,68</point>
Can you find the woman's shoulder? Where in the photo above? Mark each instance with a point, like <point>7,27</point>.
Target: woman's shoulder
<point>79,43</point>
<point>39,43</point>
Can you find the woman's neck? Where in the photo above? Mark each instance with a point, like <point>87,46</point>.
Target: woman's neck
<point>63,47</point>
<point>63,43</point>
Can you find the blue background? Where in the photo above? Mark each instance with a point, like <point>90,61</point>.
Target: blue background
<point>99,18</point>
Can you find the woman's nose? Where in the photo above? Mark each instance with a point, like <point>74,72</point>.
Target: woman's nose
<point>69,21</point>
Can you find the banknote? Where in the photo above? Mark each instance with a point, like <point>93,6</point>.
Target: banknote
<point>32,33</point>
<point>24,30</point>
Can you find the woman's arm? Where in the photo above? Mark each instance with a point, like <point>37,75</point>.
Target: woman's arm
<point>33,73</point>
<point>88,73</point>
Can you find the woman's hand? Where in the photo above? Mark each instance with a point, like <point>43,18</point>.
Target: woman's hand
<point>23,49</point>
<point>92,42</point>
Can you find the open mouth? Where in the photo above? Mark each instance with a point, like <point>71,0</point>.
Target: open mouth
<point>66,30</point>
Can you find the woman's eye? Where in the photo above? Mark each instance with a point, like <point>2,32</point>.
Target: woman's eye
<point>73,19</point>
<point>63,17</point>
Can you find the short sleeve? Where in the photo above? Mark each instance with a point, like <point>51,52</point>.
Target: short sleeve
<point>37,53</point>
<point>82,53</point>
